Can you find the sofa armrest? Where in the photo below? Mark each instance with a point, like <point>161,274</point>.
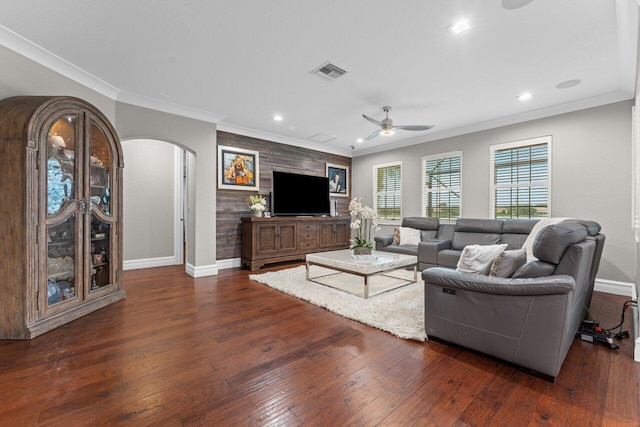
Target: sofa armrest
<point>382,241</point>
<point>452,279</point>
<point>428,250</point>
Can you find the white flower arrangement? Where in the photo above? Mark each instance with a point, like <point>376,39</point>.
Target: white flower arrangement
<point>258,203</point>
<point>363,220</point>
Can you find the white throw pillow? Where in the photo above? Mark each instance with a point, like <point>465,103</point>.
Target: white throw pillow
<point>409,236</point>
<point>478,258</point>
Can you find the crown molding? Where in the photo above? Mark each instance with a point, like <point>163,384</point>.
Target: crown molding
<point>168,107</point>
<point>252,133</point>
<point>38,54</point>
<point>583,104</point>
<point>30,50</point>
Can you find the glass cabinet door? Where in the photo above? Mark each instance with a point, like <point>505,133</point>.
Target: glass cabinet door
<point>63,225</point>
<point>100,164</point>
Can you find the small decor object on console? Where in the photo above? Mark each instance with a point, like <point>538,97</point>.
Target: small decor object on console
<point>258,204</point>
<point>363,220</point>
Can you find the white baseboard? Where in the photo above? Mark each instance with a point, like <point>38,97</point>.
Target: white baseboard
<point>201,270</point>
<point>614,287</point>
<point>135,264</point>
<point>228,263</point>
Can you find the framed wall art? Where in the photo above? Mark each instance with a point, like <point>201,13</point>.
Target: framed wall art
<point>338,180</point>
<point>238,169</point>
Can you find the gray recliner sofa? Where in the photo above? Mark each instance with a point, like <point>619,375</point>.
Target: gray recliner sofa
<point>530,322</point>
<point>441,243</point>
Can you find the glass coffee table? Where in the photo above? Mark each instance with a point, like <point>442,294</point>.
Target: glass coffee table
<point>379,263</point>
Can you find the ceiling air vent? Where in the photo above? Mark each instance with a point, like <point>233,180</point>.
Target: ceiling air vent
<point>321,137</point>
<point>328,71</point>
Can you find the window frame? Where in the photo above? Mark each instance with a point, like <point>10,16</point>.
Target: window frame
<point>519,144</point>
<point>423,177</point>
<point>375,191</point>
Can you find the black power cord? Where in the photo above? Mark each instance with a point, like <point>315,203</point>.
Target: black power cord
<point>622,334</point>
<point>591,331</point>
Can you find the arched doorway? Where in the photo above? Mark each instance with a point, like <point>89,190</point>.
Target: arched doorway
<point>157,216</point>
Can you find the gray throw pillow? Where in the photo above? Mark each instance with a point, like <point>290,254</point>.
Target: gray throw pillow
<point>508,262</point>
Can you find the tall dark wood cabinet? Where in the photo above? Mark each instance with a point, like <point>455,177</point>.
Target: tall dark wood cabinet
<point>60,213</point>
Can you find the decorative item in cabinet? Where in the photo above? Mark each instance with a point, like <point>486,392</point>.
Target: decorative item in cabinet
<point>61,181</point>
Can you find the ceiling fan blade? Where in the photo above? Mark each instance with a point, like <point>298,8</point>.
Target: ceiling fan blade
<point>414,127</point>
<point>373,135</point>
<point>375,122</point>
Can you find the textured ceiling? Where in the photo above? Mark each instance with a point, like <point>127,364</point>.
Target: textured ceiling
<point>239,62</point>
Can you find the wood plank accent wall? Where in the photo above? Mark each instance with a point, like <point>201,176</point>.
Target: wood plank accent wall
<point>232,205</point>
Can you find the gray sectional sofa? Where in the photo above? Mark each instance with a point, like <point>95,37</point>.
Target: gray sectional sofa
<point>441,244</point>
<point>529,319</point>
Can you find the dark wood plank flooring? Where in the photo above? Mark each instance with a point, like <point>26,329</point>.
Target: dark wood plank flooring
<point>225,351</point>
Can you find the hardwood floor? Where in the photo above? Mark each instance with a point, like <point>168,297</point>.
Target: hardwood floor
<point>225,350</point>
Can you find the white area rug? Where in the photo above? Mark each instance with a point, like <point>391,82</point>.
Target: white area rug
<point>400,311</point>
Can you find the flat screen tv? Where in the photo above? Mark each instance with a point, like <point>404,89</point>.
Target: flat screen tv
<point>299,195</point>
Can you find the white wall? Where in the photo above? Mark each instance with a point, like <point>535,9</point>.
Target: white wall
<point>198,137</point>
<point>149,199</point>
<point>591,174</point>
<point>23,77</point>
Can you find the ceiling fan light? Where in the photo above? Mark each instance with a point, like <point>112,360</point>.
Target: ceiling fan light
<point>387,132</point>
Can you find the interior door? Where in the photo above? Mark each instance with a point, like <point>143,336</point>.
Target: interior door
<point>62,212</point>
<point>100,251</point>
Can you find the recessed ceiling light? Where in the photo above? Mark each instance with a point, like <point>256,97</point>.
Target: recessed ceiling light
<point>460,26</point>
<point>524,96</point>
<point>359,140</point>
<point>568,83</point>
<point>277,118</point>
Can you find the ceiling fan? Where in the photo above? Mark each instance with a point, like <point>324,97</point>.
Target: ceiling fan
<point>387,126</point>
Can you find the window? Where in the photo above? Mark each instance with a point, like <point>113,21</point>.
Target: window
<point>521,179</point>
<point>387,179</point>
<point>441,192</point>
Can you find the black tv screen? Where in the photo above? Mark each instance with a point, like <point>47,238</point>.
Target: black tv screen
<point>299,195</point>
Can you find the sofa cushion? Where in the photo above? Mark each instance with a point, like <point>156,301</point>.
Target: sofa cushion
<point>476,232</point>
<point>518,226</point>
<point>552,241</point>
<point>478,258</point>
<point>421,223</point>
<point>462,239</point>
<point>428,234</point>
<point>507,262</point>
<point>409,236</point>
<point>535,268</point>
<point>540,225</point>
<point>485,226</point>
<point>449,257</point>
<point>401,249</point>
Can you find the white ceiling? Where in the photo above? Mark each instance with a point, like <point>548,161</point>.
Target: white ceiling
<point>239,62</point>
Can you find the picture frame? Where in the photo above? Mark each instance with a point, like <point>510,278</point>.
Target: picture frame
<point>338,180</point>
<point>238,169</point>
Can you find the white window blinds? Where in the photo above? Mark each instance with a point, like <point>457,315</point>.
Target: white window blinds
<point>388,190</point>
<point>520,179</point>
<point>441,189</point>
